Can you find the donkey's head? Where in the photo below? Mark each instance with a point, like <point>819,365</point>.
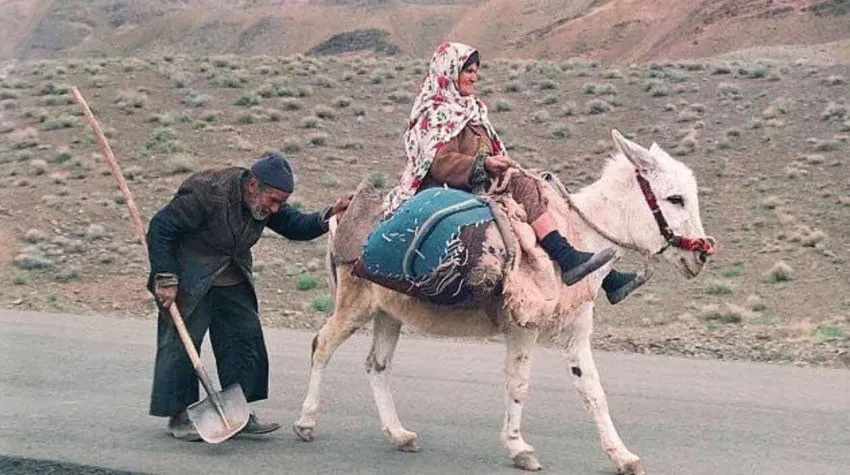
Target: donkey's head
<point>659,200</point>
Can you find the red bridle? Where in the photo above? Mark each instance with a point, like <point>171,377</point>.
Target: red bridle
<point>705,246</point>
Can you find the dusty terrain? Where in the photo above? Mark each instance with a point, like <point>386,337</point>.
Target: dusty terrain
<point>767,140</point>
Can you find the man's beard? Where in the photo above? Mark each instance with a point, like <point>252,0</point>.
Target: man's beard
<point>257,213</point>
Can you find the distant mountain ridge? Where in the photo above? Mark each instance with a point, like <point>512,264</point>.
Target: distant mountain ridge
<point>616,30</point>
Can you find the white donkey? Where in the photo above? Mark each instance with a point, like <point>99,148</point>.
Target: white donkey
<point>611,211</point>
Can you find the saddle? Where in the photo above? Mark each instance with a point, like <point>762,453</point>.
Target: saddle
<point>440,246</point>
<point>479,252</point>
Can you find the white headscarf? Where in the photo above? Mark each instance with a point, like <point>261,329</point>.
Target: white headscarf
<point>438,115</point>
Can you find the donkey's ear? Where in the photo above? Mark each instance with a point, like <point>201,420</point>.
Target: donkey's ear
<point>640,157</point>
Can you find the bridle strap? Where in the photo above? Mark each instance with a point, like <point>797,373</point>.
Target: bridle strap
<point>704,246</point>
<point>652,201</point>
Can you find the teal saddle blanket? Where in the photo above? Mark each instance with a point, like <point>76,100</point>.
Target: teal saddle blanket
<point>419,244</point>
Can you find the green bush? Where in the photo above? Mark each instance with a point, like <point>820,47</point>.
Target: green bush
<point>306,282</point>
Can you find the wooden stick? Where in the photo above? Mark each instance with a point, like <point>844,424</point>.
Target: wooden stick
<point>113,165</point>
<point>137,221</point>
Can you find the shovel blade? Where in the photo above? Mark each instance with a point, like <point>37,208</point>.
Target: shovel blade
<point>216,426</point>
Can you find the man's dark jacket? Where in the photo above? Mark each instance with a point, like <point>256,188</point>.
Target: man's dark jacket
<point>207,226</point>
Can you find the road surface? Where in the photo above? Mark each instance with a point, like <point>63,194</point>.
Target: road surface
<point>75,389</point>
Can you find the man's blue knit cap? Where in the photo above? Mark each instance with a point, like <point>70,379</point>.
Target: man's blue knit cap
<point>274,170</point>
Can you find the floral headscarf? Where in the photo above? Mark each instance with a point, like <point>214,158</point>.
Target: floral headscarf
<point>438,115</point>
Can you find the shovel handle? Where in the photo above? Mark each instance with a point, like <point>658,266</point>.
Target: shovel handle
<point>135,216</point>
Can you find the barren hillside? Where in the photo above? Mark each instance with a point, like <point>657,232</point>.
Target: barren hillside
<point>618,30</point>
<point>768,141</point>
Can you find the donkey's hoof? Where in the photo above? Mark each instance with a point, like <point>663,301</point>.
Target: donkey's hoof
<point>303,433</point>
<point>527,461</point>
<point>632,468</point>
<point>410,444</point>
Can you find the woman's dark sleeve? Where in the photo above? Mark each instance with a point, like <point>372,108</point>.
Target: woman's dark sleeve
<point>456,169</point>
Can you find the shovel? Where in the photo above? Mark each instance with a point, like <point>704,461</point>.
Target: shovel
<point>222,414</point>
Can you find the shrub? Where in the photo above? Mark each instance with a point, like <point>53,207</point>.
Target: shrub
<point>329,181</point>
<point>129,101</point>
<point>323,81</point>
<point>834,111</point>
<point>324,112</point>
<point>726,314</point>
<point>342,102</point>
<point>718,288</point>
<point>309,122</point>
<point>400,97</point>
<point>378,179</point>
<point>193,98</point>
<point>290,105</point>
<point>291,146</point>
<point>597,106</point>
<point>513,87</point>
<point>319,140</point>
<point>560,131</point>
<point>352,145</point>
<point>827,332</point>
<point>322,304</point>
<point>540,117</point>
<point>729,90</point>
<point>306,282</point>
<point>780,272</point>
<point>247,99</point>
<point>503,105</point>
<point>548,84</point>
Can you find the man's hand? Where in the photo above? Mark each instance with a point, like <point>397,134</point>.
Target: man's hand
<point>166,295</point>
<point>497,164</point>
<point>341,204</point>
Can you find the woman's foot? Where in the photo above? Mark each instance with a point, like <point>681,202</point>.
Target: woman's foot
<point>618,285</point>
<point>575,265</point>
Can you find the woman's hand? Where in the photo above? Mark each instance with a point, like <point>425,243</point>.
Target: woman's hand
<point>497,164</point>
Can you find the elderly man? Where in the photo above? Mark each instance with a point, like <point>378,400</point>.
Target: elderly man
<point>200,257</point>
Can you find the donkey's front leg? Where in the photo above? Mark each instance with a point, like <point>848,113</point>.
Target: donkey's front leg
<point>386,331</point>
<point>353,309</point>
<point>520,344</point>
<point>586,381</point>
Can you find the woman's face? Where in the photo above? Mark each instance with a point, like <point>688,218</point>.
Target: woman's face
<point>467,79</point>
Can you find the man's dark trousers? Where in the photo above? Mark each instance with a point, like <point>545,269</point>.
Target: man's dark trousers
<point>236,336</point>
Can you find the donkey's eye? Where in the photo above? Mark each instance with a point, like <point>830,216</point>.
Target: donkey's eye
<point>676,200</point>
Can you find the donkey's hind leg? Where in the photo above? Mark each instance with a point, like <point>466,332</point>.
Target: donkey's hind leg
<point>378,366</point>
<point>354,307</point>
<point>520,345</point>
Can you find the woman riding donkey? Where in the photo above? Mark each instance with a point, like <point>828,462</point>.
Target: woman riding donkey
<point>450,141</point>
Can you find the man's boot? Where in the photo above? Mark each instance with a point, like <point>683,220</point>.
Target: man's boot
<point>255,427</point>
<point>181,428</point>
<point>618,285</point>
<point>575,265</point>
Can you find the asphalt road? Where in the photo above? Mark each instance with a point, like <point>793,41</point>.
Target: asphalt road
<point>75,390</point>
